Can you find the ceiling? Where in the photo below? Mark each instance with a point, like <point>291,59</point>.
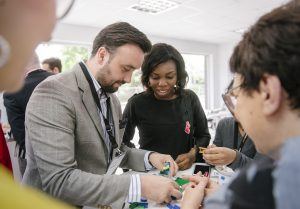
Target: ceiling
<point>212,21</point>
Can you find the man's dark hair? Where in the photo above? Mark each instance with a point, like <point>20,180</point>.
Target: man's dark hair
<point>272,46</point>
<point>161,53</point>
<point>119,34</point>
<point>53,62</point>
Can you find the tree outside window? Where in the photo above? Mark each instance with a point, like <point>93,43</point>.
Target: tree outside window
<point>69,54</point>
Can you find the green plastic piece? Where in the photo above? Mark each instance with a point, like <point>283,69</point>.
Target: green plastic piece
<point>137,205</point>
<point>181,181</point>
<point>133,205</point>
<point>166,170</point>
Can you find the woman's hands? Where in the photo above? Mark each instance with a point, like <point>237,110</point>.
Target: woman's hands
<point>186,160</point>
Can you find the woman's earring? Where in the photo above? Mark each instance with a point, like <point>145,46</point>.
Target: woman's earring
<point>4,51</point>
<point>176,87</point>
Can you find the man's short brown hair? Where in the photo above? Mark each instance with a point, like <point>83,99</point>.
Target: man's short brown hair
<point>272,46</point>
<point>53,62</point>
<point>118,34</point>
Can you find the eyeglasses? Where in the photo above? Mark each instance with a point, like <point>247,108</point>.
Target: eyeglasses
<point>230,98</point>
<point>63,7</point>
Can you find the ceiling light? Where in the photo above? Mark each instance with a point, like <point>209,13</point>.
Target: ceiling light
<point>154,6</point>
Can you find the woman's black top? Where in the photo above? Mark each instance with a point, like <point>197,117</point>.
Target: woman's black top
<point>166,126</point>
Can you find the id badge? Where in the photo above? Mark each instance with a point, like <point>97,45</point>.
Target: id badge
<point>116,161</point>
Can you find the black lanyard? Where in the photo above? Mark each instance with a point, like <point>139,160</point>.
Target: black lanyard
<point>244,138</point>
<point>108,127</point>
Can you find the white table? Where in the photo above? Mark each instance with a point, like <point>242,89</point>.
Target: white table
<point>214,175</point>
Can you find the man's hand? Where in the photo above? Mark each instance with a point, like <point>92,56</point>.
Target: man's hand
<point>194,192</point>
<point>158,160</point>
<point>6,127</point>
<point>186,160</point>
<point>159,189</point>
<point>219,155</point>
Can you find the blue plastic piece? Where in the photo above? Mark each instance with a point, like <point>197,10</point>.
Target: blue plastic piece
<point>172,206</point>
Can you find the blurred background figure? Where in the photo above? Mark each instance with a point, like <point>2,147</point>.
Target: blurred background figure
<point>52,64</point>
<point>15,104</point>
<point>170,119</point>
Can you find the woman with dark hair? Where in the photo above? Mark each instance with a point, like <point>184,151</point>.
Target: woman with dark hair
<point>170,119</point>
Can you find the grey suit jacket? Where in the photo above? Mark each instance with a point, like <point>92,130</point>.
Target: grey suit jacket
<point>66,153</point>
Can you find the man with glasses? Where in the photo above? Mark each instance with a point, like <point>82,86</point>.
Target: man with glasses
<point>266,90</point>
<point>229,98</point>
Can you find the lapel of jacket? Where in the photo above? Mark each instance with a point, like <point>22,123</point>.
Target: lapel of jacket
<point>89,103</point>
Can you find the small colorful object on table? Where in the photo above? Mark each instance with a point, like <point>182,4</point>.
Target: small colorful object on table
<point>166,170</point>
<point>172,206</point>
<point>181,182</point>
<point>201,149</point>
<point>139,205</point>
<point>135,205</point>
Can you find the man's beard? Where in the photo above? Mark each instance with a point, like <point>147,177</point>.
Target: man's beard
<point>109,89</point>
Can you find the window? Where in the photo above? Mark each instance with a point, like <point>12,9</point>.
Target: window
<point>195,67</point>
<point>129,89</point>
<point>69,54</point>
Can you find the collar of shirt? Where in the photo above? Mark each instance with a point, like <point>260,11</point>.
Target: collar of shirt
<point>97,86</point>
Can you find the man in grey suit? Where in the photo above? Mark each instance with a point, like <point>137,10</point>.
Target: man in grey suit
<point>74,132</point>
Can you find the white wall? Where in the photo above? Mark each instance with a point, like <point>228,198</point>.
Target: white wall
<point>224,75</point>
<point>218,55</point>
<point>66,33</point>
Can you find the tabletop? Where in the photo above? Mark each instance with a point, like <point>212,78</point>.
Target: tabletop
<point>215,175</point>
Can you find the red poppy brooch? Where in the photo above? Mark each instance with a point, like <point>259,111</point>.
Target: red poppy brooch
<point>187,127</point>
